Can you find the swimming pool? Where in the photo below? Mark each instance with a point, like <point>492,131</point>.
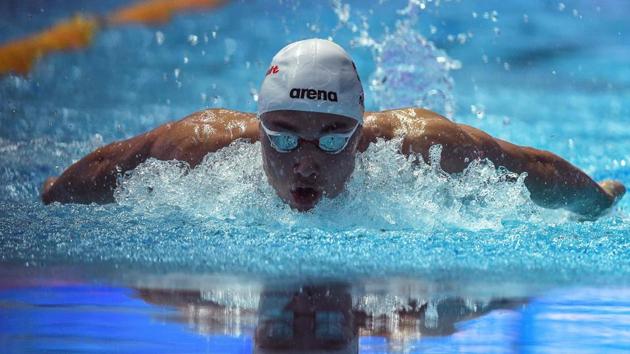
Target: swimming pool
<point>426,262</point>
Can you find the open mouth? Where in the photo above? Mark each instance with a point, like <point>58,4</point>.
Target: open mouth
<point>306,196</point>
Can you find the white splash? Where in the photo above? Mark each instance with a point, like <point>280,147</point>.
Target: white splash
<point>410,70</point>
<point>388,191</point>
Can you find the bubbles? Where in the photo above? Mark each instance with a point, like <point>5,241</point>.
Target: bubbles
<point>411,71</point>
<point>341,10</point>
<point>159,37</point>
<point>388,191</point>
<point>193,40</point>
<point>478,110</point>
<point>224,182</point>
<point>492,16</point>
<point>230,48</point>
<point>414,6</point>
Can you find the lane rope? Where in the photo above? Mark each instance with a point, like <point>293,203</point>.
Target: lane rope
<point>19,56</point>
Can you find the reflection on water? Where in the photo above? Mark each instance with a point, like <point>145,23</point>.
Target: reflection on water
<point>73,310</point>
<point>316,317</point>
<point>321,316</point>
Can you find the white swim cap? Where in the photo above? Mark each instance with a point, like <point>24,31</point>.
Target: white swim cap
<point>313,75</point>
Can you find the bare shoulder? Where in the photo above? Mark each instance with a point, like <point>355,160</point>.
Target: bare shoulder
<point>400,122</point>
<point>220,118</point>
<point>192,137</point>
<point>420,129</point>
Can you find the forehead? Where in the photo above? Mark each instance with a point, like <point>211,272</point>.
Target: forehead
<point>307,121</point>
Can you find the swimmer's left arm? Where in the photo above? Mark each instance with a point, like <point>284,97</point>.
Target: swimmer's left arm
<point>421,129</point>
<point>552,181</point>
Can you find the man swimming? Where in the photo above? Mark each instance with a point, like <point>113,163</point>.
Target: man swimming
<point>311,124</point>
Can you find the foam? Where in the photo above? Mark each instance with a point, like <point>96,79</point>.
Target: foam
<point>387,191</point>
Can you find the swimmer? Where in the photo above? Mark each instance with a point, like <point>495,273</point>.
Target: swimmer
<point>311,124</point>
<point>325,316</point>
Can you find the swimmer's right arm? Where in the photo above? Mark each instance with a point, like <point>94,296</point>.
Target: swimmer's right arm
<point>93,178</point>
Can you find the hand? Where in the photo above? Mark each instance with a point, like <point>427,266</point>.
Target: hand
<point>614,189</point>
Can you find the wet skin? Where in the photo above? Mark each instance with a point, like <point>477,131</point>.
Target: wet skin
<point>312,173</point>
<point>303,176</point>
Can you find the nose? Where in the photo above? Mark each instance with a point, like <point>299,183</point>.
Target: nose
<point>306,167</point>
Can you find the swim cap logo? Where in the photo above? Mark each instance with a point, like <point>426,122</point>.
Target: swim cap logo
<point>272,70</point>
<point>312,94</point>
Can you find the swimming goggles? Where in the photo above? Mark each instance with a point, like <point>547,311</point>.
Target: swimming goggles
<point>330,143</point>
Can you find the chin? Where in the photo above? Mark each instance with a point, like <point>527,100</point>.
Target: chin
<point>302,208</point>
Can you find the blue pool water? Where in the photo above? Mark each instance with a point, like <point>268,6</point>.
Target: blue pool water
<point>186,267</point>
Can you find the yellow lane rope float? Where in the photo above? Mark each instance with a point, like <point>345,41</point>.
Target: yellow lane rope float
<point>19,56</point>
<point>158,11</point>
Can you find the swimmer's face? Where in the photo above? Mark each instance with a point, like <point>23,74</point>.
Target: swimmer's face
<point>316,318</point>
<point>302,176</point>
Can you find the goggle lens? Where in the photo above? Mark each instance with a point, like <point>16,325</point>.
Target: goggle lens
<point>333,143</point>
<point>284,142</point>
